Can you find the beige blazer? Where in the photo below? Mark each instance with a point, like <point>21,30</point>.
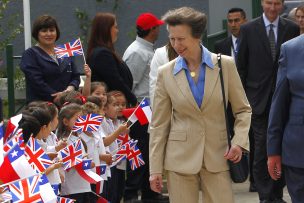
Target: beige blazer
<point>182,135</point>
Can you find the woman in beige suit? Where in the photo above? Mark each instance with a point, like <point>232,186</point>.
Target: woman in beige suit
<point>188,134</point>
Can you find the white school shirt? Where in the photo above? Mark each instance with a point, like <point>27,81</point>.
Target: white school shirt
<point>73,182</point>
<point>53,176</point>
<point>51,141</point>
<point>107,128</point>
<point>95,147</point>
<point>122,165</point>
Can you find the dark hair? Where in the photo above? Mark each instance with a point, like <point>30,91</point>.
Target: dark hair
<point>101,33</point>
<point>51,107</point>
<point>94,86</point>
<point>33,118</point>
<point>142,33</point>
<point>44,22</point>
<point>67,112</point>
<point>95,100</point>
<point>29,125</point>
<point>235,10</point>
<point>41,114</point>
<point>196,20</point>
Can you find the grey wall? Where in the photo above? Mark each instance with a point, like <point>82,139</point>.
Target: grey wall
<point>218,11</point>
<point>64,12</point>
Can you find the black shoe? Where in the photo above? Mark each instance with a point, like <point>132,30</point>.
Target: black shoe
<point>159,198</point>
<point>252,187</point>
<point>280,200</point>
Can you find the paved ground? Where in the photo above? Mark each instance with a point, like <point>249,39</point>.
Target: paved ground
<point>243,196</point>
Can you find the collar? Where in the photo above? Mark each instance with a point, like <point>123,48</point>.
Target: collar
<point>234,41</point>
<point>181,63</point>
<point>144,42</point>
<point>267,22</point>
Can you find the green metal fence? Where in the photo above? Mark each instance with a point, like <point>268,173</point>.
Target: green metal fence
<point>10,79</point>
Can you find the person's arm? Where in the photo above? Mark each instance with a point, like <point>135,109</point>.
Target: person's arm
<point>109,139</point>
<point>34,74</point>
<point>278,117</point>
<point>159,131</point>
<point>137,66</point>
<point>106,67</point>
<point>240,106</point>
<point>86,91</point>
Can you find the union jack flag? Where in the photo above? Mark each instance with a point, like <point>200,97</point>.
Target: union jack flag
<point>26,190</point>
<point>124,151</point>
<point>6,195</point>
<point>36,156</point>
<point>135,158</point>
<point>71,155</point>
<point>89,122</point>
<point>18,138</point>
<point>73,48</point>
<point>64,200</point>
<point>122,139</point>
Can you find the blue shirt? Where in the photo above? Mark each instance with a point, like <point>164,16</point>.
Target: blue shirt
<point>197,89</point>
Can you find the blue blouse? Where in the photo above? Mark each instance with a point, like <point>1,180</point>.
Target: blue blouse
<point>197,89</point>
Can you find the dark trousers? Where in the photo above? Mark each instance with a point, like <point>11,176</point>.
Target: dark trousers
<point>139,178</point>
<point>116,185</point>
<point>251,156</point>
<point>80,197</point>
<point>295,183</point>
<point>267,188</point>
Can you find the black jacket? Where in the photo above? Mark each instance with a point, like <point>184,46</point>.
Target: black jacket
<point>116,74</point>
<point>256,67</point>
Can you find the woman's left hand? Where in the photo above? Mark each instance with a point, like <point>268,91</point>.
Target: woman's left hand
<point>234,154</point>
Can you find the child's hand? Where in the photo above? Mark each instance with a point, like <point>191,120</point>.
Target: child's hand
<point>123,128</point>
<point>52,155</point>
<point>57,164</point>
<point>61,144</point>
<point>93,164</point>
<point>106,158</point>
<point>87,70</point>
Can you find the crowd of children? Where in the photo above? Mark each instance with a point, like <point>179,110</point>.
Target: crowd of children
<point>51,125</point>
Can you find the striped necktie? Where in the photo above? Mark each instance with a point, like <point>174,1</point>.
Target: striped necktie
<point>272,42</point>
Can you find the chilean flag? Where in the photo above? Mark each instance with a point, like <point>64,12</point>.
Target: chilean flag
<point>15,166</point>
<point>128,114</point>
<point>142,113</point>
<point>11,126</point>
<point>84,170</point>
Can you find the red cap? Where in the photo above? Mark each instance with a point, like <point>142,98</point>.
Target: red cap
<point>147,20</point>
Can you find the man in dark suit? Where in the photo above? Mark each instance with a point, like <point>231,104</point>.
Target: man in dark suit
<point>229,46</point>
<point>257,62</point>
<point>285,130</point>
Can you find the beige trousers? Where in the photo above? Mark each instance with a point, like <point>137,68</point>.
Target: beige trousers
<point>184,188</point>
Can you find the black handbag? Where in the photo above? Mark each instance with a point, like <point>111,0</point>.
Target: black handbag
<point>238,171</point>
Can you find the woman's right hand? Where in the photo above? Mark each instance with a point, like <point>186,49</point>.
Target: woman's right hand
<point>156,182</point>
